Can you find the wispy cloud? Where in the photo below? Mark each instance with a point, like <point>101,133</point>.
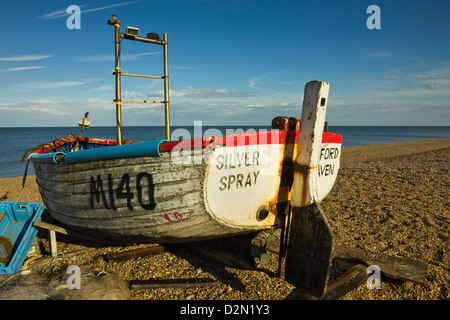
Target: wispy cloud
<point>55,14</point>
<point>63,13</point>
<point>40,106</point>
<point>436,78</point>
<point>110,57</point>
<point>22,68</point>
<point>428,76</point>
<point>147,53</point>
<point>33,108</point>
<point>252,82</point>
<point>132,95</point>
<point>26,58</point>
<point>206,93</point>
<point>49,84</point>
<point>106,87</point>
<point>420,97</point>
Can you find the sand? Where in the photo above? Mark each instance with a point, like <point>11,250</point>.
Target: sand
<point>390,199</point>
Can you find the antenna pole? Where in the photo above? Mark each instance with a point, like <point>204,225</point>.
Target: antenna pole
<point>117,76</point>
<point>166,87</point>
<point>151,38</point>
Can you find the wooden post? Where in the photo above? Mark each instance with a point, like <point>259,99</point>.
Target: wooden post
<point>311,241</point>
<point>304,188</point>
<point>52,242</point>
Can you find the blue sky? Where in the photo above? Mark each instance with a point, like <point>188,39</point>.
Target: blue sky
<point>230,62</point>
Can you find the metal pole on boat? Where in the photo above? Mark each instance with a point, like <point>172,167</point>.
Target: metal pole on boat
<point>166,87</point>
<point>117,74</point>
<point>132,34</point>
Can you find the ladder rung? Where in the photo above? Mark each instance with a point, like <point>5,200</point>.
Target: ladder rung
<point>143,101</point>
<point>139,75</point>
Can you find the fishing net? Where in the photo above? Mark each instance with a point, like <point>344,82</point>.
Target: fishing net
<point>100,286</point>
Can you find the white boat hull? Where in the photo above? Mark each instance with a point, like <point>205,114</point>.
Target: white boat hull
<point>212,192</point>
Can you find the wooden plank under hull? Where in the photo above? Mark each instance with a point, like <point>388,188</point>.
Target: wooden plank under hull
<point>143,199</point>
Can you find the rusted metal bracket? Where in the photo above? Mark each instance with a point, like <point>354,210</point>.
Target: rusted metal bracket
<point>280,206</point>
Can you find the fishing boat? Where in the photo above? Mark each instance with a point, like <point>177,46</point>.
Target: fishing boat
<point>169,191</point>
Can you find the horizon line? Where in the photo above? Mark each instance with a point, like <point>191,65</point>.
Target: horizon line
<point>216,125</point>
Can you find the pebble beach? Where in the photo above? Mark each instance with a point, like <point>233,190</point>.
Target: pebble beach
<point>389,199</point>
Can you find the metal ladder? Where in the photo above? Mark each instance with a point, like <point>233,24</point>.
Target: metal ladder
<point>132,34</point>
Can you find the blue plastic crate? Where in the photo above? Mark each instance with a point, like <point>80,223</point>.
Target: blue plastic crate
<point>17,226</point>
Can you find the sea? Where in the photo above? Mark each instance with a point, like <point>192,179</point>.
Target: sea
<point>15,141</point>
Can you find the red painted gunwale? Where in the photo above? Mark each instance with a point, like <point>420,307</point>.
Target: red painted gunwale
<point>245,139</point>
<point>240,139</point>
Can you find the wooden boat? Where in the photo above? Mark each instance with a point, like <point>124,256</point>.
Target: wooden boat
<point>189,190</point>
<point>177,191</point>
